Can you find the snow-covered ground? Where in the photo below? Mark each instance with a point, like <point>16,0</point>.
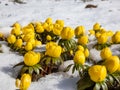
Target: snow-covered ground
<point>73,12</point>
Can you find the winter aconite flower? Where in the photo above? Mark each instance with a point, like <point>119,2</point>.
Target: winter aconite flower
<point>49,20</point>
<point>28,46</point>
<point>67,33</point>
<point>80,30</point>
<point>29,36</point>
<point>97,73</point>
<point>38,43</point>
<point>112,64</point>
<point>81,48</point>
<point>11,39</point>
<point>96,26</point>
<point>24,83</point>
<point>79,57</point>
<point>53,50</point>
<point>60,22</point>
<point>102,39</point>
<point>39,28</point>
<point>86,53</point>
<point>92,32</point>
<point>105,53</point>
<point>16,31</point>
<point>115,37</point>
<point>31,58</point>
<point>57,29</point>
<point>83,40</point>
<point>19,43</point>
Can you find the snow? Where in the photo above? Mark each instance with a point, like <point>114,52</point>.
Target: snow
<point>74,13</point>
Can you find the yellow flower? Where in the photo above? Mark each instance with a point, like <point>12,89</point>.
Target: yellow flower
<point>16,31</point>
<point>53,50</point>
<point>49,20</point>
<point>115,37</point>
<point>67,33</point>
<point>80,30</point>
<point>28,46</point>
<point>32,41</point>
<point>17,25</point>
<point>45,25</point>
<point>29,36</point>
<point>60,22</point>
<point>27,30</point>
<point>97,73</point>
<point>112,64</point>
<point>25,81</point>
<point>48,45</point>
<point>49,27</point>
<point>92,32</point>
<point>30,25</point>
<point>48,37</point>
<point>83,40</point>
<point>11,39</point>
<point>96,26</point>
<point>57,29</point>
<point>102,39</point>
<point>39,28</point>
<point>81,48</point>
<point>19,43</point>
<point>31,58</point>
<point>105,53</point>
<point>38,43</point>
<point>102,30</point>
<point>79,57</point>
<point>110,33</point>
<point>86,52</point>
<point>97,34</point>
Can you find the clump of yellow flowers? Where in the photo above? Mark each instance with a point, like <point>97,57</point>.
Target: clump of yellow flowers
<point>102,36</point>
<point>65,43</point>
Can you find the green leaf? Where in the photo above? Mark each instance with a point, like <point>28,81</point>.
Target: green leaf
<point>39,67</point>
<point>68,68</point>
<point>97,86</point>
<point>84,83</point>
<point>30,70</point>
<point>73,70</point>
<point>53,60</point>
<point>111,80</point>
<point>24,69</point>
<point>104,86</point>
<point>48,61</point>
<point>36,69</point>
